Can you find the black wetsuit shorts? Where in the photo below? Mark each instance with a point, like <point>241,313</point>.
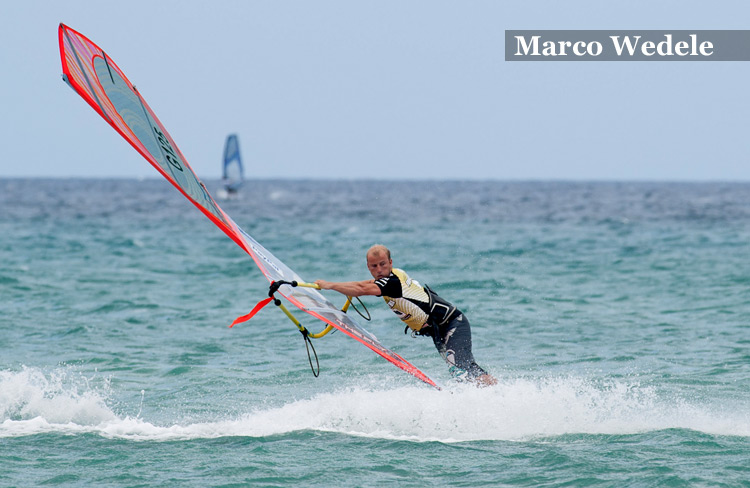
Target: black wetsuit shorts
<point>453,341</point>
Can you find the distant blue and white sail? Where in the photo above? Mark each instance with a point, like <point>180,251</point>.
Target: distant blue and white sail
<point>232,171</point>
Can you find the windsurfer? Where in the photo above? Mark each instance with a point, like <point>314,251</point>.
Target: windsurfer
<point>423,311</point>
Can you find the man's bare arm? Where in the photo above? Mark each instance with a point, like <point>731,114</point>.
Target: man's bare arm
<point>351,288</point>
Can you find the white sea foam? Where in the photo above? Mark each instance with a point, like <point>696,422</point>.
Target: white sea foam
<point>34,402</point>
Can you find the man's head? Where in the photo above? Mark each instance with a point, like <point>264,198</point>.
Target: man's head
<point>379,261</point>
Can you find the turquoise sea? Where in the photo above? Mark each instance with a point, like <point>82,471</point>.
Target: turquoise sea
<point>616,317</point>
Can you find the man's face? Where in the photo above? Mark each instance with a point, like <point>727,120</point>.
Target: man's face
<point>379,265</point>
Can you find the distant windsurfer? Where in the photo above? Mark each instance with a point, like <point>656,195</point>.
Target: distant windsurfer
<point>423,311</point>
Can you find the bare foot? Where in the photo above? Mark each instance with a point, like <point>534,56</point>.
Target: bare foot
<point>485,380</point>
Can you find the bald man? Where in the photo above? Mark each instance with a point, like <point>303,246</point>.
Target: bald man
<point>423,311</point>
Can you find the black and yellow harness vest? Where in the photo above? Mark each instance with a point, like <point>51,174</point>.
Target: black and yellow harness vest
<point>415,304</point>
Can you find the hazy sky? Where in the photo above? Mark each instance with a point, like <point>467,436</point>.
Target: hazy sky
<point>378,89</point>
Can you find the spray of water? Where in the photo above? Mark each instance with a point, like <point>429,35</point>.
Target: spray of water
<point>32,402</point>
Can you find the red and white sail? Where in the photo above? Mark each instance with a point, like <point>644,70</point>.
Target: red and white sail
<point>96,78</point>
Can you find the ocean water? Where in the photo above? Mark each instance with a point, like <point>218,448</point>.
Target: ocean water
<point>616,317</point>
